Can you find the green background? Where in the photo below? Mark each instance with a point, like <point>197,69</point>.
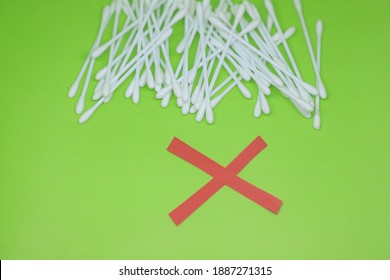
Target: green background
<point>104,190</point>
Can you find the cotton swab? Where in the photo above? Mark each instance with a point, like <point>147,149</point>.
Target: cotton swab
<point>319,32</point>
<point>106,85</point>
<point>130,67</point>
<point>138,59</point>
<point>81,101</point>
<point>287,35</point>
<point>123,57</point>
<point>305,96</point>
<point>321,86</point>
<point>229,42</point>
<point>201,21</point>
<point>216,100</point>
<point>135,95</point>
<point>257,110</point>
<point>98,52</point>
<point>184,85</point>
<point>210,58</point>
<point>132,43</point>
<point>162,35</point>
<point>305,85</point>
<point>268,44</point>
<point>245,92</point>
<point>105,18</point>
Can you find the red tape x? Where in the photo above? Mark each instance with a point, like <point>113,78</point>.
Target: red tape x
<point>221,176</point>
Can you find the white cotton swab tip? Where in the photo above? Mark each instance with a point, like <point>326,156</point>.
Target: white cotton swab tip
<point>276,80</point>
<point>126,7</point>
<point>80,106</point>
<point>317,122</point>
<point>149,79</point>
<point>192,75</point>
<point>298,5</point>
<point>257,110</point>
<point>178,16</point>
<point>209,114</point>
<point>181,46</point>
<point>309,88</point>
<point>305,106</point>
<point>239,13</point>
<point>322,90</point>
<point>142,79</point>
<point>163,92</point>
<point>106,13</point>
<point>179,102</point>
<point>112,7</point>
<point>290,32</point>
<point>165,101</point>
<point>167,77</point>
<point>253,25</point>
<point>243,73</point>
<point>159,76</point>
<point>218,24</point>
<point>264,104</point>
<point>176,88</point>
<point>118,6</point>
<point>277,38</point>
<point>88,114</point>
<point>317,117</point>
<point>319,27</point>
<point>248,8</point>
<point>98,52</point>
<point>252,11</point>
<point>73,89</point>
<point>269,6</point>
<point>101,74</point>
<point>245,91</point>
<point>130,89</point>
<point>165,35</point>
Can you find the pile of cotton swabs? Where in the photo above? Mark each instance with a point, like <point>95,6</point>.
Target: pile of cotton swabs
<point>233,37</point>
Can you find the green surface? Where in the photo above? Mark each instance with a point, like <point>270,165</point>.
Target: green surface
<point>104,190</point>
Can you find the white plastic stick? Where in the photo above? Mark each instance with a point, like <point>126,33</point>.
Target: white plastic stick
<point>317,114</point>
<point>229,41</point>
<point>105,18</point>
<point>321,86</point>
<point>106,86</point>
<point>136,61</point>
<point>98,52</point>
<point>221,26</point>
<point>272,13</point>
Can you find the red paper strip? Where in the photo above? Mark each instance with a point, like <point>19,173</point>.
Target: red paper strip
<point>222,176</point>
<point>189,206</point>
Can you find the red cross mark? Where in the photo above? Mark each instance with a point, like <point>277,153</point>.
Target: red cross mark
<point>221,176</point>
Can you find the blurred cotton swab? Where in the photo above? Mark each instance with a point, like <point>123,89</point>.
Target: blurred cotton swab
<point>105,18</point>
<point>319,31</point>
<point>230,43</point>
<point>272,13</point>
<point>321,86</point>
